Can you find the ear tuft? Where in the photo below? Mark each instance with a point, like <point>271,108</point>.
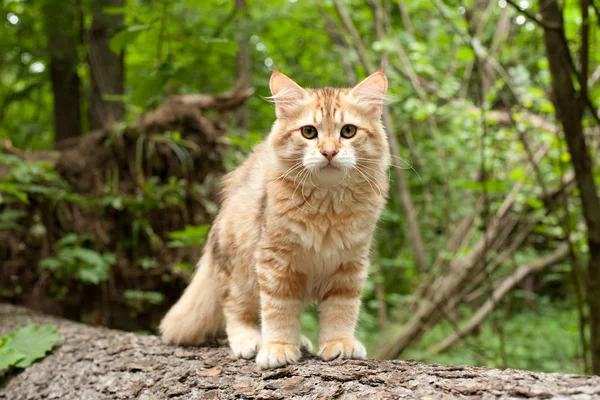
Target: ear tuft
<point>286,94</point>
<point>371,92</point>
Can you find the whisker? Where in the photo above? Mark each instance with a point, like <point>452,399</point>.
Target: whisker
<point>289,171</point>
<point>393,165</point>
<point>296,188</point>
<point>299,175</point>
<point>386,173</point>
<point>408,164</point>
<point>290,159</point>
<point>372,169</point>
<point>302,191</point>
<point>373,180</point>
<point>311,181</point>
<point>369,182</point>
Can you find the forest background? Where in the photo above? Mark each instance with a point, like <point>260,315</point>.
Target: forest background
<point>114,136</point>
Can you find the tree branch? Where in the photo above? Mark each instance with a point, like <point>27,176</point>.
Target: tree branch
<point>358,43</point>
<point>538,21</point>
<point>504,288</point>
<point>406,18</point>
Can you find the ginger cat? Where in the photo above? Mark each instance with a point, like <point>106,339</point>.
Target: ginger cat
<point>295,225</point>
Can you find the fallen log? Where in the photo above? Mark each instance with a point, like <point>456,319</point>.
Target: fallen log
<point>100,363</point>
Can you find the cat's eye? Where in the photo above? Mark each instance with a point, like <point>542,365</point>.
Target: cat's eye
<point>348,131</point>
<point>309,131</point>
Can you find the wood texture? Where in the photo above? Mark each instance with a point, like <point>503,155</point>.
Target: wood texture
<point>99,363</point>
<point>107,69</point>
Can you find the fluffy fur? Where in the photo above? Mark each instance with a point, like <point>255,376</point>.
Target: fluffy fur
<point>294,226</point>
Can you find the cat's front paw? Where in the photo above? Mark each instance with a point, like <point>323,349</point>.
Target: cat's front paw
<point>273,355</point>
<point>342,348</point>
<point>245,346</point>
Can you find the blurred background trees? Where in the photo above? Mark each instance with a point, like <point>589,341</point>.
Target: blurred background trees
<point>488,252</point>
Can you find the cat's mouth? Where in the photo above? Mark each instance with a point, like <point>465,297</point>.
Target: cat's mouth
<point>329,167</point>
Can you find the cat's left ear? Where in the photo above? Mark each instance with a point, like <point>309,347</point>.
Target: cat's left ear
<point>287,94</point>
<point>371,92</point>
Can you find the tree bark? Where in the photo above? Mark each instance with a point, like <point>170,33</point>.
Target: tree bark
<point>60,19</point>
<point>570,105</point>
<point>106,67</point>
<point>99,363</point>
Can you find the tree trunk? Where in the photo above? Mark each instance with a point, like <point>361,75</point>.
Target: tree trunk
<point>106,67</point>
<point>99,363</point>
<point>570,106</point>
<point>61,28</point>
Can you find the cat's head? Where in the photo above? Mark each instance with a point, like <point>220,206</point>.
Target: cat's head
<point>329,132</point>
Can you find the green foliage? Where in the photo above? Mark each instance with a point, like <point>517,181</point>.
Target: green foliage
<point>144,296</point>
<point>9,219</point>
<point>542,338</point>
<point>138,300</point>
<point>74,261</point>
<point>126,36</point>
<point>31,178</point>
<point>191,236</point>
<point>23,346</point>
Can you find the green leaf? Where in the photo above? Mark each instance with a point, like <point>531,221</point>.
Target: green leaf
<point>517,174</point>
<point>27,344</point>
<point>535,203</point>
<point>189,237</point>
<point>126,36</point>
<point>9,357</point>
<point>51,263</point>
<point>488,186</point>
<point>14,191</point>
<point>225,46</point>
<point>11,215</point>
<point>465,54</point>
<point>149,296</point>
<point>152,87</point>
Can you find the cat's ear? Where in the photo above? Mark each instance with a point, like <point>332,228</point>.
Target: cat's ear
<point>286,94</point>
<point>371,92</point>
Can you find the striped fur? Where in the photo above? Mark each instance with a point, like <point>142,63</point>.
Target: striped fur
<point>292,229</point>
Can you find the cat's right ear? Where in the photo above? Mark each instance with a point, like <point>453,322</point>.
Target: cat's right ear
<point>286,94</point>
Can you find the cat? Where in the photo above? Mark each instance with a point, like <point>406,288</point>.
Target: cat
<point>296,223</point>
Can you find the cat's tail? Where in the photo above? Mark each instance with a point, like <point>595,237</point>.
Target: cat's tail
<point>198,315</point>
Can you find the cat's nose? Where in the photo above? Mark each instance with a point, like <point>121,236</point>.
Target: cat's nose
<point>329,154</point>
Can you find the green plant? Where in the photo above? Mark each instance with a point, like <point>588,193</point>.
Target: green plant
<point>144,296</point>
<point>189,237</point>
<point>28,178</point>
<point>75,261</point>
<point>9,219</point>
<point>23,346</point>
<point>139,300</point>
